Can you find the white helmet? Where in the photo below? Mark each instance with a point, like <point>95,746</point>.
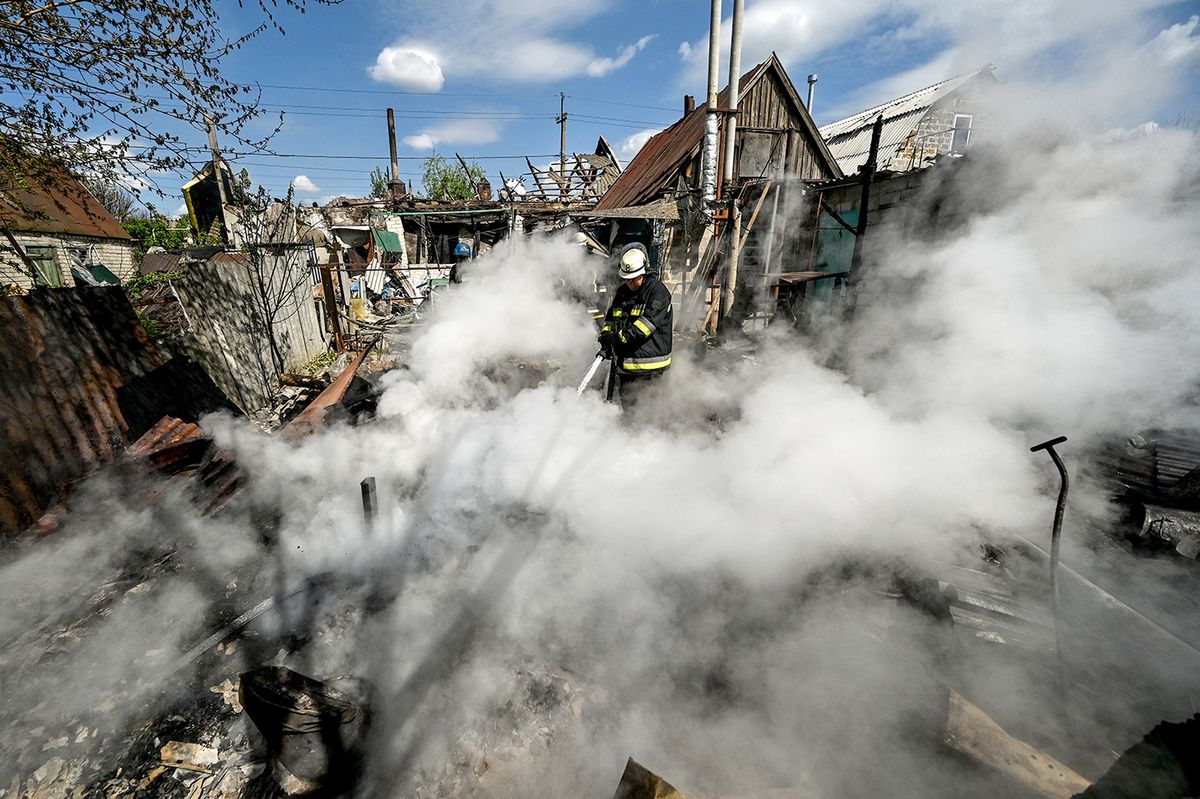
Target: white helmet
<point>633,263</point>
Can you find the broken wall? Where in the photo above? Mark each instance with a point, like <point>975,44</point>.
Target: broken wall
<point>236,308</point>
<point>59,251</point>
<point>79,380</point>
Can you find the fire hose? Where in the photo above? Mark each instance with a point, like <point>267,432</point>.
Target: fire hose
<point>601,356</point>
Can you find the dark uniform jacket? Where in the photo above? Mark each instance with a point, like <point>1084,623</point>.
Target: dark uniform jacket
<point>640,322</point>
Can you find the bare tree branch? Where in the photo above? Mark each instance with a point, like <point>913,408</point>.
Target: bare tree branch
<point>113,89</point>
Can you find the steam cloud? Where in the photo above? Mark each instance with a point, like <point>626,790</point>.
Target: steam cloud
<point>683,572</point>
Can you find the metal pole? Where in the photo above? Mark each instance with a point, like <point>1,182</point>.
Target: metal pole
<point>1055,539</point>
<point>735,76</point>
<point>735,217</point>
<point>712,123</point>
<point>812,85</point>
<point>370,503</point>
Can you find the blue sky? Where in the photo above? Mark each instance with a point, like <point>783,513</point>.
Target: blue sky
<point>482,77</point>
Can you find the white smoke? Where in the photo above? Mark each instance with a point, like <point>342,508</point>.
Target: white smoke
<point>706,572</point>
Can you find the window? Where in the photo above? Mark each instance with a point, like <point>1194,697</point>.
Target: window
<point>962,133</point>
<point>45,271</point>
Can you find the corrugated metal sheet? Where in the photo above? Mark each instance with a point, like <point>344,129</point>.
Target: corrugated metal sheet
<point>849,139</point>
<point>765,105</point>
<point>851,149</point>
<point>65,357</point>
<point>160,262</point>
<point>56,203</point>
<point>662,209</point>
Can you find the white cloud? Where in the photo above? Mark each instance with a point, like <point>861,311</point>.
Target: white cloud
<point>1177,44</point>
<point>525,42</point>
<point>304,185</point>
<point>1016,35</point>
<point>180,211</point>
<point>409,68</point>
<point>630,145</point>
<point>455,131</point>
<point>898,85</point>
<point>421,141</point>
<point>602,66</point>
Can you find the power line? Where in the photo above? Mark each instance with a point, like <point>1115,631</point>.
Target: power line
<point>366,111</point>
<point>618,102</point>
<point>399,91</point>
<point>386,157</point>
<point>619,119</point>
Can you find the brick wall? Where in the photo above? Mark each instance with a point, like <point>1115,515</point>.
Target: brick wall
<point>115,254</point>
<point>934,135</point>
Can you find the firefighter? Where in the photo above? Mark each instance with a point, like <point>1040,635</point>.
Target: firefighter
<point>637,327</point>
<point>462,257</point>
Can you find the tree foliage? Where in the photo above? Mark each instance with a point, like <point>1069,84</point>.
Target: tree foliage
<point>117,200</point>
<point>115,88</point>
<point>447,180</point>
<point>379,183</point>
<point>155,231</point>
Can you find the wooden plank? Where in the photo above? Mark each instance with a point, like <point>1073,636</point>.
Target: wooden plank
<point>971,732</point>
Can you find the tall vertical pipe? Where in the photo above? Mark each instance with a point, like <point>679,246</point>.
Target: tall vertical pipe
<point>812,85</point>
<point>712,123</point>
<point>735,214</point>
<point>394,185</point>
<point>735,74</point>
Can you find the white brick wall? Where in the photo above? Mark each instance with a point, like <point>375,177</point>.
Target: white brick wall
<point>115,254</point>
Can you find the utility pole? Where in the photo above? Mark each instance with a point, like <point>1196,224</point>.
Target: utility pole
<point>562,144</point>
<point>218,174</point>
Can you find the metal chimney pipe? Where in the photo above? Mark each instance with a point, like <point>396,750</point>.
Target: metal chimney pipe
<point>812,84</point>
<point>735,74</point>
<point>689,104</point>
<point>712,123</point>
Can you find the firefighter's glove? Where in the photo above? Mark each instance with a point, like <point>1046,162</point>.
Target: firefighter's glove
<point>607,339</point>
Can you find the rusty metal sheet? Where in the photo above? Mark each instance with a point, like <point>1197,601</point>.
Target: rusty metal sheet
<point>64,358</point>
<point>313,417</point>
<point>57,203</point>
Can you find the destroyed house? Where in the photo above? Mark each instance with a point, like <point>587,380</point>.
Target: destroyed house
<point>657,199</point>
<point>919,127</point>
<point>775,137</point>
<point>57,234</point>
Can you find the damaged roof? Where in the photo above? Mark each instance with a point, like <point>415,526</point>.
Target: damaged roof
<point>660,159</point>
<point>55,202</point>
<point>849,139</point>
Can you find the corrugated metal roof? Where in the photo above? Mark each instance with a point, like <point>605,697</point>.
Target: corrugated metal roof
<point>660,159</point>
<point>56,202</point>
<point>849,139</point>
<point>160,262</point>
<point>659,209</point>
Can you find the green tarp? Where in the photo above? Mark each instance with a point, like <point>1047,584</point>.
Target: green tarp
<point>387,241</point>
<point>94,275</point>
